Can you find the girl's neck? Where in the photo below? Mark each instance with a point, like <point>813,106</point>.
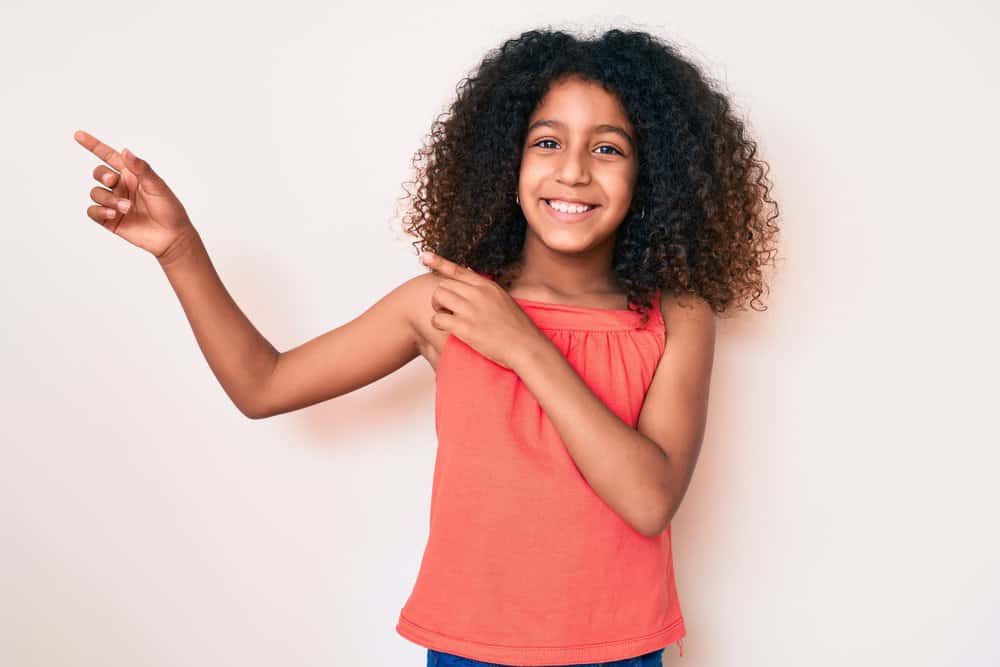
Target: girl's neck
<point>594,293</point>
<point>541,271</point>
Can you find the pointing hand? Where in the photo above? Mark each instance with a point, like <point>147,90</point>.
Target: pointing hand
<point>480,312</point>
<point>137,204</point>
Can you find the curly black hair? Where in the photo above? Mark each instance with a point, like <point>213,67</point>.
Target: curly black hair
<point>707,227</point>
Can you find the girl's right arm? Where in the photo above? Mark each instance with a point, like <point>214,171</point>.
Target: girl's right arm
<point>263,382</point>
<point>140,208</point>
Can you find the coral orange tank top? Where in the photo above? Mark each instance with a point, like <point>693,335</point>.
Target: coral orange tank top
<point>525,564</point>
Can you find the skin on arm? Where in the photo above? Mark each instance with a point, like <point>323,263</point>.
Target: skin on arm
<point>675,410</point>
<point>260,381</point>
<point>381,340</point>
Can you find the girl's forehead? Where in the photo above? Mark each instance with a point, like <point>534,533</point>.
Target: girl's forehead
<point>579,103</point>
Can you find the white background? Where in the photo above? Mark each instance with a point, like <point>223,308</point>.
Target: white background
<point>844,507</point>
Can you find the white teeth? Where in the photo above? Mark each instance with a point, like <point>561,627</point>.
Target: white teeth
<point>564,207</point>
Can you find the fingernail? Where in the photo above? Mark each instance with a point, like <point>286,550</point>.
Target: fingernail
<point>124,205</point>
<point>425,256</point>
<point>107,179</point>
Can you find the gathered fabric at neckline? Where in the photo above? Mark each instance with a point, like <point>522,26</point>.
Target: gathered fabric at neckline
<point>588,318</point>
<point>569,317</point>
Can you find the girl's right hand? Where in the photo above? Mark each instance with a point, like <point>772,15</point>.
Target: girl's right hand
<point>139,207</point>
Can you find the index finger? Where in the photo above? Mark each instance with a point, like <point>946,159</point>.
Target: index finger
<point>449,268</point>
<point>100,149</point>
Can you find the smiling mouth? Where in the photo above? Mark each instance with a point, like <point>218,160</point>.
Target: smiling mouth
<point>569,217</point>
<point>589,206</point>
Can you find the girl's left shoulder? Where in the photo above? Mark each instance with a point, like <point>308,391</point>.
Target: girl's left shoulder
<point>687,313</point>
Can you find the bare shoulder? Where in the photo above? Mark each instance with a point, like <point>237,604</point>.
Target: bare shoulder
<point>422,286</point>
<point>413,296</point>
<point>688,312</point>
<point>430,340</point>
<point>690,325</point>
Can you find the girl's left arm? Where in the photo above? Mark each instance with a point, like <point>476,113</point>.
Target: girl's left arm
<point>642,473</point>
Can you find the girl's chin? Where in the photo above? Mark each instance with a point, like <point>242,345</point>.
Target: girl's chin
<point>569,241</point>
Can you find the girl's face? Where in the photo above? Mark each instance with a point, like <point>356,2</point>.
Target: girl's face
<point>580,147</point>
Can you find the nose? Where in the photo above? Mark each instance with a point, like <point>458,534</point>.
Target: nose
<point>574,167</point>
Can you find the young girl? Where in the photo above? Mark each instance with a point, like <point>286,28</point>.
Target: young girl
<point>591,206</point>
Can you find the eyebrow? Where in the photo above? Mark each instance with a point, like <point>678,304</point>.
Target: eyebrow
<point>603,127</point>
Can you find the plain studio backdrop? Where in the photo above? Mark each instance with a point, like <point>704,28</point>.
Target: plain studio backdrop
<point>843,511</point>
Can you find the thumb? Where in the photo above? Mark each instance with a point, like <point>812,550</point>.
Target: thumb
<point>148,180</point>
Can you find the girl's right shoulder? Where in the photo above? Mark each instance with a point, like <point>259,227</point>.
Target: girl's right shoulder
<point>417,291</point>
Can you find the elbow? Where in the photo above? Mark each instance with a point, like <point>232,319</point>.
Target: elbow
<point>651,530</point>
<point>251,412</point>
<point>660,520</point>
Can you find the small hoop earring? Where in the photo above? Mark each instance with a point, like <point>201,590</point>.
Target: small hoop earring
<point>643,213</point>
<point>517,198</point>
